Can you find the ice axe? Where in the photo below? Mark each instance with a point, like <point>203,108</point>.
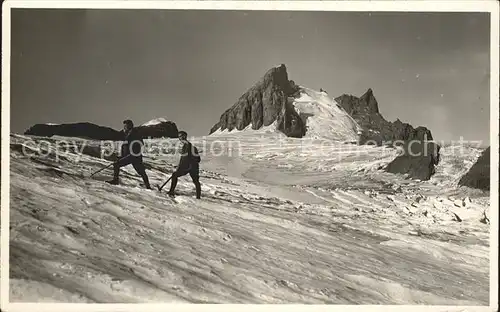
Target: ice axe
<point>101,169</point>
<point>160,187</point>
<point>111,164</point>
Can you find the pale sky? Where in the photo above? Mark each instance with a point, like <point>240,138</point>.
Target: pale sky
<point>104,66</point>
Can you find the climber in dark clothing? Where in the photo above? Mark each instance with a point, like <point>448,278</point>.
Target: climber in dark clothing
<point>131,153</point>
<point>189,163</point>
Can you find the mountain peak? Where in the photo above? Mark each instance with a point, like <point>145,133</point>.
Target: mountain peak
<point>277,75</point>
<point>353,105</point>
<point>370,101</point>
<point>264,103</point>
<point>280,68</point>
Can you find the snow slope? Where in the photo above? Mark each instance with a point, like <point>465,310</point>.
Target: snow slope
<point>281,220</point>
<point>327,118</point>
<point>156,121</point>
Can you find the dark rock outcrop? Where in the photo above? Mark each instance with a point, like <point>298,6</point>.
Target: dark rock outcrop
<point>417,159</point>
<point>84,130</point>
<point>91,131</point>
<point>264,103</point>
<point>290,122</point>
<point>166,129</point>
<point>478,175</point>
<point>377,130</point>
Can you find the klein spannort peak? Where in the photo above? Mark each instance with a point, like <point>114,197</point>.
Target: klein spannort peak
<point>297,111</point>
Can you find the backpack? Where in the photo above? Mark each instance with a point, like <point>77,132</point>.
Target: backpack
<point>196,155</point>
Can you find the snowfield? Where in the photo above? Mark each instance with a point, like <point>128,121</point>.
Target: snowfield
<point>327,118</point>
<point>281,220</point>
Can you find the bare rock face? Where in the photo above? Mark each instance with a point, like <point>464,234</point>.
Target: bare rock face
<point>377,130</point>
<point>417,159</point>
<point>91,131</point>
<point>478,175</point>
<point>290,122</point>
<point>264,103</point>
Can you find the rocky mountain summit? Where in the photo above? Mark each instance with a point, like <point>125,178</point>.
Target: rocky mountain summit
<point>274,99</point>
<point>268,101</point>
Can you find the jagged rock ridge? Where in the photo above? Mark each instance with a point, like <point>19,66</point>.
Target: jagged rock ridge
<point>376,129</point>
<point>418,157</point>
